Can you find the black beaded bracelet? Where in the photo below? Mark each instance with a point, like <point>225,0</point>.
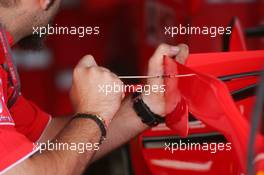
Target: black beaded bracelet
<point>98,120</point>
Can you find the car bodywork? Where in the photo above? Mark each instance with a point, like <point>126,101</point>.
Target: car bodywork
<point>239,73</point>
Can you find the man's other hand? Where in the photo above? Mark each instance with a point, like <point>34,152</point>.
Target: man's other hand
<point>89,93</point>
<point>156,101</point>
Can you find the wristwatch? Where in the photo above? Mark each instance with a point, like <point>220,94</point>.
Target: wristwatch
<point>143,111</point>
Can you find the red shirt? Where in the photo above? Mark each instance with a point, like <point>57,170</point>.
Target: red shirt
<point>21,125</point>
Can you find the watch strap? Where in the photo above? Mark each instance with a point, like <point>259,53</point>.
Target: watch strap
<point>143,111</point>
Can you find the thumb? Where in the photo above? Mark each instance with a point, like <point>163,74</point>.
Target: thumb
<point>155,66</point>
<point>87,61</point>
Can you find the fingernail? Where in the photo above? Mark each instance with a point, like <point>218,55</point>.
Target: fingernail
<point>174,50</point>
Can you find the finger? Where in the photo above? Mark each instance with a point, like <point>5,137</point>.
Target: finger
<point>103,69</point>
<point>156,61</point>
<point>87,61</point>
<point>183,54</point>
<point>123,96</point>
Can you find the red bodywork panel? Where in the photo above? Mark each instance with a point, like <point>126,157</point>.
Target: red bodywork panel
<point>237,39</point>
<point>208,100</point>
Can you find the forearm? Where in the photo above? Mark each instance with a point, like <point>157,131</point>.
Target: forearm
<point>64,161</point>
<point>125,126</point>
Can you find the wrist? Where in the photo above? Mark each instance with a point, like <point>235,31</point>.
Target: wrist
<point>143,111</point>
<point>98,121</point>
<point>154,103</point>
<point>103,115</point>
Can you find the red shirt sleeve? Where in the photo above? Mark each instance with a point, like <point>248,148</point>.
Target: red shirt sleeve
<point>14,147</point>
<point>29,120</point>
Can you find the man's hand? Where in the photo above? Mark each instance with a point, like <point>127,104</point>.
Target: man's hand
<point>85,94</point>
<point>156,101</point>
<point>86,98</point>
